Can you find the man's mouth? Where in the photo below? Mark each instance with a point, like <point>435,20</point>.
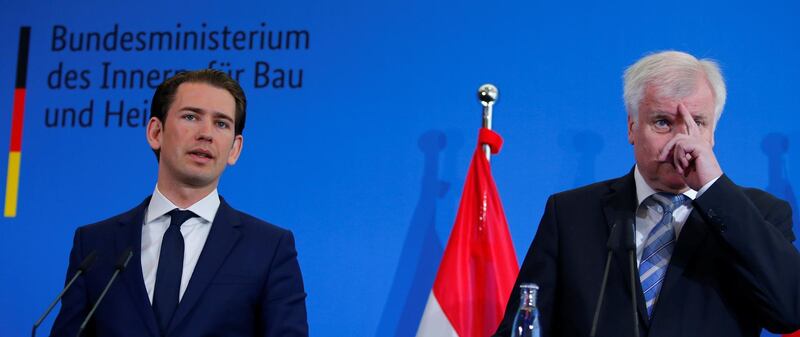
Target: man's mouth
<point>201,153</point>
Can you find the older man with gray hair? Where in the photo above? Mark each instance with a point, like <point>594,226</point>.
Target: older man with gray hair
<point>711,258</point>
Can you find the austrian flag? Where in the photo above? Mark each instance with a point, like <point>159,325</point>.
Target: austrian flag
<point>479,265</point>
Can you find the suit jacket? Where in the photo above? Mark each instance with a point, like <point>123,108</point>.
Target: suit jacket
<point>733,271</point>
<point>247,282</point>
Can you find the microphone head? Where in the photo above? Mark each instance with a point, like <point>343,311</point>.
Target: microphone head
<point>88,261</point>
<point>487,94</point>
<point>627,237</point>
<point>613,238</point>
<point>124,259</point>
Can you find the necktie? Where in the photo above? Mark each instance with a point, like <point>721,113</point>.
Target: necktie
<point>658,249</point>
<point>170,268</point>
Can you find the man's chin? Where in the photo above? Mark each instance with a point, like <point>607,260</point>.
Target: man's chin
<point>671,186</point>
<point>197,180</point>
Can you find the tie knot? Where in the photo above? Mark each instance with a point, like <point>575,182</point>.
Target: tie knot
<point>178,217</point>
<point>670,201</point>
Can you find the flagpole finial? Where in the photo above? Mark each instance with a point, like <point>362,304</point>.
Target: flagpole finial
<point>487,94</point>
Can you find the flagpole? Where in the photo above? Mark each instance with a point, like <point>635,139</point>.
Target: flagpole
<point>487,94</point>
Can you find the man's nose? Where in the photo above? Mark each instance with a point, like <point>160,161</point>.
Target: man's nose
<point>204,132</point>
<point>680,127</point>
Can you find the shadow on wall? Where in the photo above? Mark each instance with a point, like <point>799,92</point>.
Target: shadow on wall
<point>422,248</point>
<point>584,146</point>
<point>775,147</point>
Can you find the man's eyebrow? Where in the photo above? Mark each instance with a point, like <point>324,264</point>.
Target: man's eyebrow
<point>661,114</point>
<point>201,111</point>
<point>218,114</point>
<point>193,109</point>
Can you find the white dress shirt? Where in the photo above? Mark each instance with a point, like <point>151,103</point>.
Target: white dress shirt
<point>195,232</point>
<point>649,212</point>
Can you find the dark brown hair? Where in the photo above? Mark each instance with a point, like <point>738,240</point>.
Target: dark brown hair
<point>165,94</point>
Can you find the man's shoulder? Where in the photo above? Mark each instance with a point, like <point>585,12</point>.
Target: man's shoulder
<point>759,197</point>
<point>593,191</point>
<point>251,220</point>
<point>121,218</point>
<point>253,224</point>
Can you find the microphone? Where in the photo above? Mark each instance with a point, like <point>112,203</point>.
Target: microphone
<point>613,242</point>
<point>119,267</point>
<point>82,268</point>
<point>630,246</point>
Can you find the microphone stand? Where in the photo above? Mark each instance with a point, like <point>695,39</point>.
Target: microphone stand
<point>82,268</point>
<point>630,246</point>
<point>613,242</point>
<point>121,264</point>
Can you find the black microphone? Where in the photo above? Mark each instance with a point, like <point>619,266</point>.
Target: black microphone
<point>120,266</point>
<point>613,243</point>
<point>82,268</point>
<point>629,245</point>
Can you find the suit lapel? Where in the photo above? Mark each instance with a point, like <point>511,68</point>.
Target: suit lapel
<point>619,207</point>
<point>692,236</point>
<point>129,235</point>
<point>221,239</point>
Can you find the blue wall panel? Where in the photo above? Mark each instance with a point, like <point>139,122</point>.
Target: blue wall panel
<point>365,162</point>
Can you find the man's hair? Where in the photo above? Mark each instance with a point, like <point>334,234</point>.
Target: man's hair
<point>165,94</point>
<point>672,74</point>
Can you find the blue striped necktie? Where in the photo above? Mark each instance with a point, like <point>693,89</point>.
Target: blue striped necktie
<point>658,248</point>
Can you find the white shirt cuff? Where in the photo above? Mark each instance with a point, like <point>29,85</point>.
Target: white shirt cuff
<point>706,186</point>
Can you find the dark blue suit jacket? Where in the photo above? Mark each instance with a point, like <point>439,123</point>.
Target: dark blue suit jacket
<point>733,272</point>
<point>247,282</point>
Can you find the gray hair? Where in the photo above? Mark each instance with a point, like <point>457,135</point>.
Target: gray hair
<point>673,74</point>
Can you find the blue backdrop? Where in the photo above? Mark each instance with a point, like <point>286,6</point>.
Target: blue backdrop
<point>365,158</point>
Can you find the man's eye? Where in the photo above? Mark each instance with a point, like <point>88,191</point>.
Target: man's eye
<point>700,122</point>
<point>189,117</point>
<point>222,125</point>
<point>661,124</point>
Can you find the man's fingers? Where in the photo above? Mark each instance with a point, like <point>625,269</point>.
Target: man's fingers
<point>680,155</point>
<point>676,159</point>
<point>682,151</point>
<point>668,147</point>
<point>691,126</point>
<point>685,158</point>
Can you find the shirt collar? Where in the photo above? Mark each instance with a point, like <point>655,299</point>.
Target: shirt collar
<point>205,208</point>
<point>644,191</point>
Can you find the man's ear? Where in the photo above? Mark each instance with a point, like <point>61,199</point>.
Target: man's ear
<point>631,126</point>
<point>236,149</point>
<point>712,138</point>
<point>155,130</point>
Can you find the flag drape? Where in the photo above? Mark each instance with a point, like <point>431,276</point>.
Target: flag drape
<point>479,265</point>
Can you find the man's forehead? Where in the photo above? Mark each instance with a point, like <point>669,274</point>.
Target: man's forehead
<point>700,112</point>
<point>205,97</point>
<point>697,105</point>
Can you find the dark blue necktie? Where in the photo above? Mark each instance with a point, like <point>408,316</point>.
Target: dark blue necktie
<point>170,268</point>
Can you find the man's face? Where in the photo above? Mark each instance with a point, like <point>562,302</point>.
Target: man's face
<point>197,138</point>
<point>659,121</point>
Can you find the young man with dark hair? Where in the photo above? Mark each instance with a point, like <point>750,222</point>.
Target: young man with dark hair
<point>199,267</point>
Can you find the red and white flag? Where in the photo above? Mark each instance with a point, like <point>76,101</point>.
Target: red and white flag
<point>479,265</point>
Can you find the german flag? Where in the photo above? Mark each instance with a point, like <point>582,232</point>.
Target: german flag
<point>15,151</point>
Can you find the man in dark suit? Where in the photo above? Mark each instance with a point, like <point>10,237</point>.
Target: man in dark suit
<point>199,267</point>
<point>712,258</point>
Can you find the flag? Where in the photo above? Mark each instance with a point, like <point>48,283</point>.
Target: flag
<point>795,334</point>
<point>479,265</point>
